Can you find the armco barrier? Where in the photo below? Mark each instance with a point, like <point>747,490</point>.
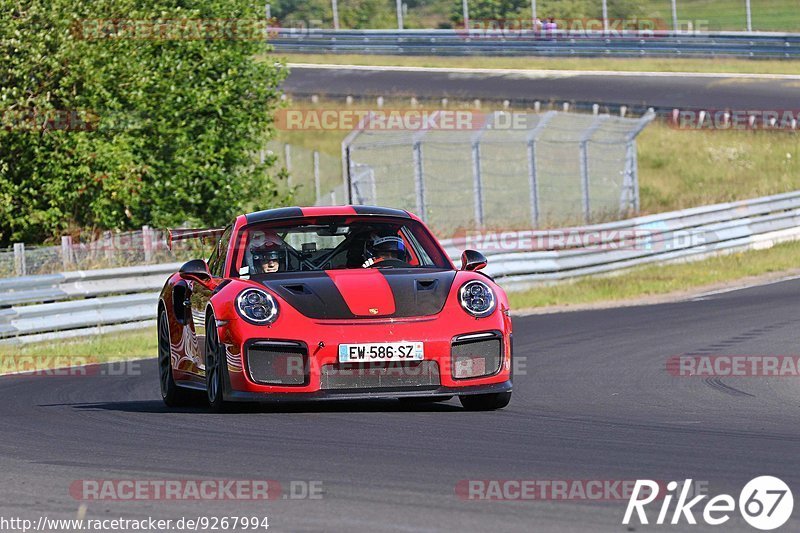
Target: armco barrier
<point>81,303</point>
<point>553,43</point>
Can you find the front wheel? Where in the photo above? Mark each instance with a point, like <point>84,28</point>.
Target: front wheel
<point>215,369</point>
<point>485,402</point>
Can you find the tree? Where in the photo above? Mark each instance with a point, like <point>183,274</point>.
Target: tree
<point>113,124</point>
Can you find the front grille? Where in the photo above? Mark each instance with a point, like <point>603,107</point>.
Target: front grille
<point>278,363</point>
<point>476,357</point>
<point>420,374</point>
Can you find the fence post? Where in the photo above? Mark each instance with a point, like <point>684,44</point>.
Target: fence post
<point>749,15</point>
<point>477,185</point>
<point>533,181</point>
<point>584,162</point>
<point>632,157</point>
<point>317,186</point>
<point>399,14</point>
<point>635,176</point>
<point>335,9</point>
<point>19,259</point>
<point>287,161</point>
<point>419,181</point>
<point>584,155</point>
<point>108,245</point>
<point>675,15</point>
<point>67,257</point>
<point>147,243</point>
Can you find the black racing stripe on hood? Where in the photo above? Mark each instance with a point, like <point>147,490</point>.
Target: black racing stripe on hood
<point>419,292</point>
<point>416,292</point>
<point>312,293</point>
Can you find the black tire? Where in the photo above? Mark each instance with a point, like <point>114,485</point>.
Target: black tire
<point>425,399</point>
<point>485,402</point>
<point>215,369</point>
<point>171,393</point>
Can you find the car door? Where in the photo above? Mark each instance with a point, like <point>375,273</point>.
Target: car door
<point>200,294</point>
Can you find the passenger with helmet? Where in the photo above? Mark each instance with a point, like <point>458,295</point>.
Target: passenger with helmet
<point>267,256</point>
<point>385,248</point>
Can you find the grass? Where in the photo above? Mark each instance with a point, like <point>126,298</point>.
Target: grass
<point>713,15</point>
<point>722,65</point>
<point>680,169</point>
<point>662,279</point>
<point>79,351</point>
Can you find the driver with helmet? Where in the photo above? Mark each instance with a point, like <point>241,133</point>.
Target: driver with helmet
<point>267,256</point>
<point>378,249</point>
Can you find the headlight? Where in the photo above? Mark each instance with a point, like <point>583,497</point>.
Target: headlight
<point>257,306</point>
<point>477,298</point>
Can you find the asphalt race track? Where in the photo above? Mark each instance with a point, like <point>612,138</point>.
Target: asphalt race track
<point>593,401</point>
<point>661,92</point>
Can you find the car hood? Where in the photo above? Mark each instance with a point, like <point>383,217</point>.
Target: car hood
<point>367,293</point>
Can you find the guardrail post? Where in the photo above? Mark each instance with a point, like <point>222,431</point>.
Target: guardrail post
<point>419,181</point>
<point>67,256</point>
<point>19,259</point>
<point>147,243</point>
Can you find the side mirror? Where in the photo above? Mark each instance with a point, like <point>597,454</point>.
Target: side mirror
<point>196,268</point>
<point>472,260</point>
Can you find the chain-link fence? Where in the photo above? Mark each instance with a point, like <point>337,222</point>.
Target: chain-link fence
<point>112,249</point>
<point>678,15</point>
<point>312,174</point>
<point>548,169</point>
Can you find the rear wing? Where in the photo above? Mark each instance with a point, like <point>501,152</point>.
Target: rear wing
<point>184,234</point>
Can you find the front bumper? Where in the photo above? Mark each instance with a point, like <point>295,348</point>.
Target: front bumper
<point>318,343</point>
<point>366,394</point>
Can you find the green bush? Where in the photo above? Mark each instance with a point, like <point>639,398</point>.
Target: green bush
<point>168,128</point>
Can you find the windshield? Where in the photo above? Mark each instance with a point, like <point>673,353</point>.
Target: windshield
<point>336,243</point>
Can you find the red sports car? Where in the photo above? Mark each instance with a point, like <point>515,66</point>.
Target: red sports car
<point>347,302</point>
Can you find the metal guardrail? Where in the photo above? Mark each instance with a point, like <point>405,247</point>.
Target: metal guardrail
<point>91,302</point>
<point>554,43</point>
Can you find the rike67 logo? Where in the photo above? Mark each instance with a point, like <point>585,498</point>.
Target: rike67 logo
<point>766,503</point>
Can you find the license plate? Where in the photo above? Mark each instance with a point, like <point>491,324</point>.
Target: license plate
<point>381,351</point>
